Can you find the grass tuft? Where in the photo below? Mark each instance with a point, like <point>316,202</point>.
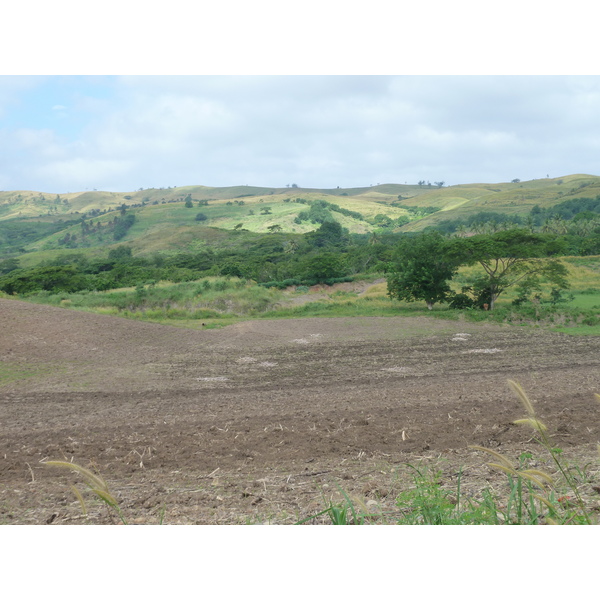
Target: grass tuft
<point>97,485</point>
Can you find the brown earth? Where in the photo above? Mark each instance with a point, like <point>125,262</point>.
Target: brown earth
<point>264,421</point>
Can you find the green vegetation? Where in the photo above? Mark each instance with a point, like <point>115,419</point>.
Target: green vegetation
<point>422,267</point>
<point>511,258</point>
<point>135,254</point>
<point>532,496</point>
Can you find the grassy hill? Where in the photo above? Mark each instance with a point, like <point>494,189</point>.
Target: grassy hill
<point>33,225</point>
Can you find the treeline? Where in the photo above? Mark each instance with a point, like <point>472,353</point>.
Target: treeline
<point>577,221</point>
<point>278,259</point>
<point>324,255</point>
<point>320,212</point>
<point>479,222</point>
<point>578,208</point>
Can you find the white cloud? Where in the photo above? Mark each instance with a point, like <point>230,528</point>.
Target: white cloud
<point>315,131</point>
<point>39,144</point>
<point>82,173</point>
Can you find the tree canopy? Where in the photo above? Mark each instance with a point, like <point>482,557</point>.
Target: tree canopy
<point>509,258</point>
<point>421,269</point>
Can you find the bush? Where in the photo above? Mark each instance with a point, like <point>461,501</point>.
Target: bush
<point>462,301</point>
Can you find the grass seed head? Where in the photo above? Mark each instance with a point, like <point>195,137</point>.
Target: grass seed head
<point>80,498</point>
<point>522,396</point>
<point>503,460</point>
<point>546,502</point>
<point>532,422</point>
<point>94,481</point>
<point>505,469</point>
<point>539,475</point>
<point>535,480</point>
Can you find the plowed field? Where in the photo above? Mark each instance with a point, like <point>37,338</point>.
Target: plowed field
<point>260,422</point>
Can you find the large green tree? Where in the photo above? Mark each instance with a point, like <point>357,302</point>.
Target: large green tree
<point>511,258</point>
<point>421,269</point>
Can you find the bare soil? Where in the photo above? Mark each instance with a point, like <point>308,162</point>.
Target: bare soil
<point>264,421</point>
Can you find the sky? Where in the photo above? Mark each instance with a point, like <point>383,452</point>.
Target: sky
<point>67,133</point>
<point>320,95</point>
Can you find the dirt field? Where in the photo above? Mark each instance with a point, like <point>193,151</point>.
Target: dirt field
<point>261,421</point>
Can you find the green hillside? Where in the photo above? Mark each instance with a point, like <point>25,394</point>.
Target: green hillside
<point>36,226</point>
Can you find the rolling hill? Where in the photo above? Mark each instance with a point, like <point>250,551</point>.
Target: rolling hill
<point>34,225</point>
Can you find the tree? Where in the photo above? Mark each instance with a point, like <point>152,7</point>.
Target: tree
<point>201,217</point>
<point>120,254</point>
<point>323,267</point>
<point>275,228</point>
<point>330,233</point>
<point>121,227</point>
<point>510,258</point>
<point>232,269</point>
<point>421,269</point>
<point>382,220</point>
<point>8,265</point>
<point>265,210</point>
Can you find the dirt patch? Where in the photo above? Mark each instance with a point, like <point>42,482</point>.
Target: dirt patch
<point>323,292</point>
<point>247,424</point>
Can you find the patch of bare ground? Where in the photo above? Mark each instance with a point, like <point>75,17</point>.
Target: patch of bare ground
<point>247,424</point>
<point>323,292</point>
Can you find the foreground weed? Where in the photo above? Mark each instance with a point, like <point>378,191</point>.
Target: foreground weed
<point>428,503</point>
<point>96,484</point>
<point>532,492</point>
<point>346,513</point>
